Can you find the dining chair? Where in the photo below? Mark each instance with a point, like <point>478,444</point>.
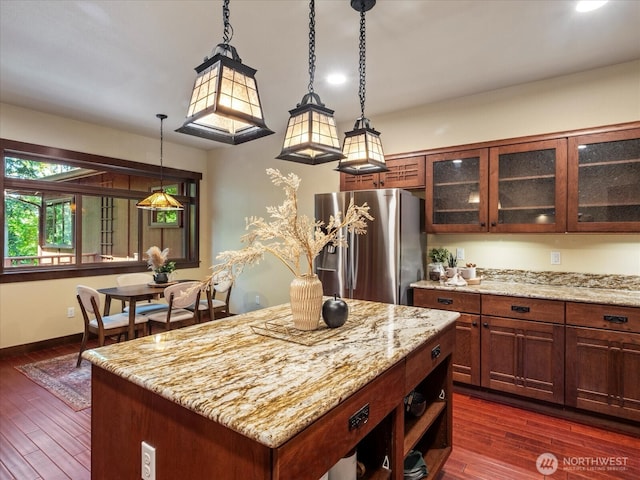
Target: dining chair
<point>216,303</point>
<point>102,326</point>
<point>178,297</point>
<point>140,278</point>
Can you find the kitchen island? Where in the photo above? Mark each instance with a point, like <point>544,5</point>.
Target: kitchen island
<point>247,397</point>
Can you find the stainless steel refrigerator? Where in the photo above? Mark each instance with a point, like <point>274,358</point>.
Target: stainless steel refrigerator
<point>380,265</point>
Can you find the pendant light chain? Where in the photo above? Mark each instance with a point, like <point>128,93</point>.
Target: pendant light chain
<point>362,64</point>
<point>228,29</point>
<point>312,43</point>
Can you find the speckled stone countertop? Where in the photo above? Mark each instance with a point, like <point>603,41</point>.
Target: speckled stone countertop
<point>266,388</point>
<point>610,296</point>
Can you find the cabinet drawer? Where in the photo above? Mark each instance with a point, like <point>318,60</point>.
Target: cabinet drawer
<point>611,317</point>
<point>427,357</point>
<point>332,435</point>
<point>523,308</point>
<point>447,300</point>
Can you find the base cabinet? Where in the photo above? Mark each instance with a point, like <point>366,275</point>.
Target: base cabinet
<point>603,359</point>
<point>581,355</point>
<point>523,357</point>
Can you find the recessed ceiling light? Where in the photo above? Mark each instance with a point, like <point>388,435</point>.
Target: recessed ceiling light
<point>589,5</point>
<point>336,79</point>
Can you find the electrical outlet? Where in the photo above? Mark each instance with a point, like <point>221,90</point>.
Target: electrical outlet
<point>460,253</point>
<point>257,299</point>
<point>555,258</point>
<point>148,462</point>
<point>71,312</point>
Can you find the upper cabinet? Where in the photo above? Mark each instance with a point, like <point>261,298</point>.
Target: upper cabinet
<point>403,173</point>
<point>510,188</point>
<point>456,191</point>
<point>604,182</point>
<point>528,187</point>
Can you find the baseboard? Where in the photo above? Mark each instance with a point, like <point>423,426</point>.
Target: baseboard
<point>41,345</point>
<point>627,427</point>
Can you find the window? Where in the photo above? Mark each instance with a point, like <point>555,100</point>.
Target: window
<point>70,214</point>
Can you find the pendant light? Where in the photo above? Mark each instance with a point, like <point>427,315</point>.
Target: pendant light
<point>311,136</point>
<point>160,200</point>
<point>362,146</point>
<point>225,105</point>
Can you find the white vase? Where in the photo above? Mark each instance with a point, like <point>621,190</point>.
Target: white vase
<point>305,292</point>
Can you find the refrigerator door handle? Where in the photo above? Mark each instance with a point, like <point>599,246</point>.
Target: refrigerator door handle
<point>321,269</point>
<point>353,242</point>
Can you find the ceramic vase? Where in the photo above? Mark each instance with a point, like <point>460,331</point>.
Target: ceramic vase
<point>161,278</point>
<point>305,292</point>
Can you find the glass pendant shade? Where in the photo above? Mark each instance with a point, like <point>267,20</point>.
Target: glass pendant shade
<point>225,104</point>
<point>363,150</point>
<point>312,136</point>
<point>159,201</point>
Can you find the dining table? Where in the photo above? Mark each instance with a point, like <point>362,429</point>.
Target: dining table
<point>132,294</point>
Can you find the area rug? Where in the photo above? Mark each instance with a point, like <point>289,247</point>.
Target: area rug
<point>60,376</point>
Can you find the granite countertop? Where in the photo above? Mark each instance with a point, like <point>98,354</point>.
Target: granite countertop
<point>266,388</point>
<point>609,296</point>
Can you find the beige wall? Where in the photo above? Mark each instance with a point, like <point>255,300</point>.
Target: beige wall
<point>235,186</point>
<point>34,311</point>
<point>593,98</point>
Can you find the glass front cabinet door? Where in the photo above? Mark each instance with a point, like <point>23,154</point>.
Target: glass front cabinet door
<point>604,182</point>
<point>456,191</point>
<point>527,187</point>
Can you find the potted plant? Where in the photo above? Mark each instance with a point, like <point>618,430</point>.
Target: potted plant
<point>158,261</point>
<point>439,258</point>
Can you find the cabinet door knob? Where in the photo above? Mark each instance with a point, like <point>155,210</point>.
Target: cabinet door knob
<point>485,325</point>
<point>382,183</point>
<point>493,224</point>
<point>483,224</point>
<point>375,184</point>
<point>475,324</point>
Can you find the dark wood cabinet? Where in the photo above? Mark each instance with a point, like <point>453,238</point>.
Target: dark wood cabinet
<point>603,359</point>
<point>528,187</point>
<point>522,346</point>
<point>406,172</point>
<point>523,357</point>
<point>515,346</point>
<point>604,182</point>
<point>456,191</point>
<point>466,356</point>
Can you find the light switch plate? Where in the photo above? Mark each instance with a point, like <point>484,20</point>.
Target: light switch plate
<point>460,253</point>
<point>555,258</point>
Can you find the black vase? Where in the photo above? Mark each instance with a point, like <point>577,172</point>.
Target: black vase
<point>161,278</point>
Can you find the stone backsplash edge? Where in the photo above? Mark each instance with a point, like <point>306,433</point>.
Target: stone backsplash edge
<point>565,279</point>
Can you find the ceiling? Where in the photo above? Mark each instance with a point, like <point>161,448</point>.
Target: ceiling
<point>118,63</point>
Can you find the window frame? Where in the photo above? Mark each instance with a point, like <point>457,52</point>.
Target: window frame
<point>190,217</point>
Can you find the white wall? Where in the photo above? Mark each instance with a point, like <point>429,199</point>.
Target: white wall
<point>34,311</point>
<point>593,98</point>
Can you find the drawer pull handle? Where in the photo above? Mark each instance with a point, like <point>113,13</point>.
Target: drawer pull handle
<point>445,301</point>
<point>616,319</point>
<point>435,353</point>
<point>359,418</point>
<point>519,309</point>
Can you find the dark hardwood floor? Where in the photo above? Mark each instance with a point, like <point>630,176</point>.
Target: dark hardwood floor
<point>42,438</point>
